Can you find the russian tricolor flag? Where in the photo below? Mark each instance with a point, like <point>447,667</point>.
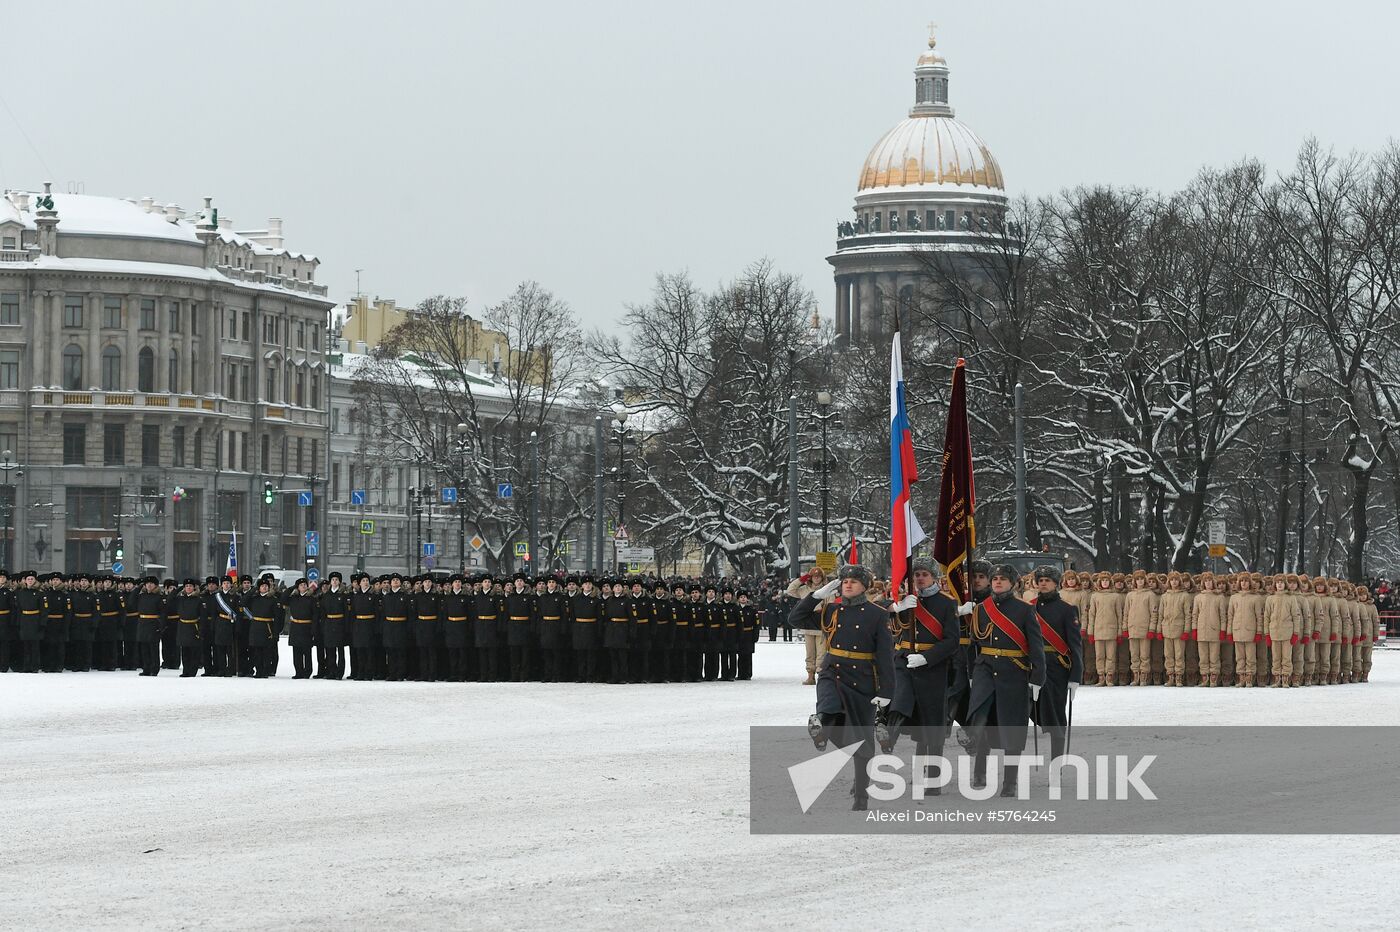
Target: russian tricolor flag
<point>905,530</point>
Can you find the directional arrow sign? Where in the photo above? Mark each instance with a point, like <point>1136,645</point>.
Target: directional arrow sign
<point>117,568</point>
<point>313,550</point>
<point>357,496</point>
<point>303,499</point>
<point>504,490</point>
<point>429,549</point>
<point>449,495</point>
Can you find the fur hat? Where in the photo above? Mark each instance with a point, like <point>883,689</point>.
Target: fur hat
<point>1048,571</point>
<point>858,572</point>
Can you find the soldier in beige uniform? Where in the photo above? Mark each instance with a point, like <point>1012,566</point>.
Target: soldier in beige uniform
<point>1227,586</point>
<point>1243,626</point>
<point>1173,628</point>
<point>1208,622</point>
<point>1346,609</point>
<point>1282,620</point>
<point>1141,610</point>
<point>1071,594</point>
<point>1104,622</point>
<point>1300,646</point>
<point>1191,585</point>
<point>1123,654</point>
<point>1156,651</point>
<point>1370,631</point>
<point>1028,590</point>
<point>1261,646</point>
<point>1330,606</point>
<point>813,640</point>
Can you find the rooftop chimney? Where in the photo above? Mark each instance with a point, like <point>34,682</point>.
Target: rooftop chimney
<point>173,212</point>
<point>148,203</point>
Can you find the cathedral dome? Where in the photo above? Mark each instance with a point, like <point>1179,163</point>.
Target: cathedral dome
<point>930,147</point>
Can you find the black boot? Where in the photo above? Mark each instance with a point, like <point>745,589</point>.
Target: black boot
<point>862,784</point>
<point>1008,780</point>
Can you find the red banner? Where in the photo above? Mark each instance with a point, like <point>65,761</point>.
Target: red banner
<point>956,533</point>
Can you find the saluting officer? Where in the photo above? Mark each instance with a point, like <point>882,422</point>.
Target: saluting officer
<point>857,674</point>
<point>1064,654</point>
<point>1010,664</point>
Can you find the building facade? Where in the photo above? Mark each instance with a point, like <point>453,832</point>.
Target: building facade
<point>156,370</point>
<point>930,183</point>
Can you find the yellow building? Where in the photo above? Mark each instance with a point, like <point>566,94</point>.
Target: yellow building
<point>369,322</point>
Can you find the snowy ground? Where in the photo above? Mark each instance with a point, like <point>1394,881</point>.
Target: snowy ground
<point>214,804</point>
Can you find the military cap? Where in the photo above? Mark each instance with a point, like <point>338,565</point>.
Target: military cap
<point>857,572</point>
<point>927,564</point>
<point>335,574</point>
<point>979,568</point>
<point>1005,571</point>
<point>696,587</point>
<point>1048,571</point>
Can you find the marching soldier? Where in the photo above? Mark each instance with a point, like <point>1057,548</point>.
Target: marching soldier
<point>1007,677</point>
<point>1064,652</point>
<point>333,617</point>
<point>585,608</point>
<point>857,672</point>
<point>979,584</point>
<point>926,639</point>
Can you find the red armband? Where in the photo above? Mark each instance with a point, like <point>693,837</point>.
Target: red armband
<point>1294,639</point>
<point>1186,635</point>
<point>1258,638</point>
<point>1193,635</point>
<point>1332,636</point>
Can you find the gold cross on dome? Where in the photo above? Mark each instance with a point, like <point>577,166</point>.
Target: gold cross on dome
<point>932,27</point>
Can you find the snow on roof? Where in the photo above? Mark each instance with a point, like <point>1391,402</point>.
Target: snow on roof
<point>164,269</point>
<point>113,216</point>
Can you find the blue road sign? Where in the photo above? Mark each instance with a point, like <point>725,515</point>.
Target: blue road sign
<point>312,537</point>
<point>117,568</point>
<point>357,496</point>
<point>312,574</point>
<point>303,499</point>
<point>313,550</point>
<point>429,549</point>
<point>430,562</point>
<point>449,495</point>
<point>504,490</point>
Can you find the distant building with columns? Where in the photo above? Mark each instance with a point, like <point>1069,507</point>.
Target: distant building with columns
<point>930,183</point>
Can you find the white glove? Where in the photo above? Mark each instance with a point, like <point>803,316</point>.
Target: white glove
<point>906,603</point>
<point>828,590</point>
<point>966,608</point>
<point>1035,693</point>
<point>1072,688</point>
<point>917,660</point>
<point>879,702</point>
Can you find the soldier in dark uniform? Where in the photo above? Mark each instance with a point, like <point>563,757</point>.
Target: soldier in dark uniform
<point>857,673</point>
<point>520,613</point>
<point>926,640</point>
<point>130,648</point>
<point>82,630</point>
<point>9,626</point>
<point>1007,675</point>
<point>729,636</point>
<point>487,609</point>
<point>264,613</point>
<point>640,605</point>
<point>714,636</point>
<point>617,611</point>
<point>300,606</point>
<point>364,628</point>
<point>206,632</point>
<point>333,615</point>
<point>29,608</point>
<point>749,626</point>
<point>585,608</point>
<point>150,619</point>
<point>189,610</point>
<point>550,608</point>
<point>979,580</point>
<point>427,629</point>
<point>396,608</point>
<point>457,629</point>
<point>699,634</point>
<point>223,607</point>
<point>1064,656</point>
<point>662,632</point>
<point>56,622</point>
<point>170,629</point>
<point>680,632</point>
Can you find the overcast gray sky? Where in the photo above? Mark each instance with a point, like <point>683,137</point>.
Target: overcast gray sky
<point>462,147</point>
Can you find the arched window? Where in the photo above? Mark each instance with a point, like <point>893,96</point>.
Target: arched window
<point>146,370</point>
<point>271,393</point>
<point>111,369</point>
<point>72,367</point>
<point>172,383</point>
<point>301,387</point>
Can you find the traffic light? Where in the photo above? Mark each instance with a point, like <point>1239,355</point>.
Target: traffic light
<point>267,493</point>
<point>121,548</point>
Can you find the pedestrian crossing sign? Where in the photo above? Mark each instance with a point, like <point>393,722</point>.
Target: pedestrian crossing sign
<point>366,527</point>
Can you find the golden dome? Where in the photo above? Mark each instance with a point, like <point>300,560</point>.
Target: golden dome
<point>930,149</point>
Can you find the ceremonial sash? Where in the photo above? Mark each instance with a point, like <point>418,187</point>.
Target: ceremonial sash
<point>1053,639</point>
<point>1006,625</point>
<point>925,618</point>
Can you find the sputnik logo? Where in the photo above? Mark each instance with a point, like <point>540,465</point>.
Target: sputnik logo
<point>811,777</point>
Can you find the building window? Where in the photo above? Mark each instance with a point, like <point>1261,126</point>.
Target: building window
<point>177,445</point>
<point>335,482</point>
<point>950,220</point>
<point>72,367</point>
<point>301,335</point>
<point>174,309</point>
<point>243,382</point>
<point>194,320</point>
<point>316,336</point>
<point>9,308</point>
<point>112,313</point>
<point>266,456</point>
<point>148,313</point>
<point>271,393</point>
<point>73,311</point>
<point>244,451</point>
<point>315,391</point>
<point>9,438</point>
<point>232,324</point>
<point>199,448</point>
<point>301,388</point>
<point>246,330</point>
<point>9,368</point>
<point>111,369</point>
<point>146,370</point>
<point>74,444</point>
<point>150,444</point>
<point>301,466</point>
<point>114,445</point>
<point>8,242</point>
<point>172,383</point>
<point>315,455</point>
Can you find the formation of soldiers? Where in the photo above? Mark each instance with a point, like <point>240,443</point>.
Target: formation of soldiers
<point>1240,629</point>
<point>389,628</point>
<point>1017,651</point>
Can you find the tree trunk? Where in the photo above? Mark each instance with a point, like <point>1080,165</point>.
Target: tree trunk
<point>1356,546</point>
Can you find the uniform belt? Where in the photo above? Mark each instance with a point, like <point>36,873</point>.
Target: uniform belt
<point>35,611</point>
<point>485,617</point>
<point>335,616</point>
<point>456,617</point>
<point>255,618</point>
<point>682,624</point>
<point>300,621</point>
<point>623,618</point>
<point>1004,651</point>
<point>82,614</point>
<point>109,614</point>
<point>519,617</point>
<point>851,654</point>
<point>916,645</point>
<point>364,617</point>
<point>964,641</point>
<point>195,621</point>
<point>586,620</point>
<point>427,618</point>
<point>643,621</point>
<point>397,618</point>
<point>550,617</point>
<point>157,616</point>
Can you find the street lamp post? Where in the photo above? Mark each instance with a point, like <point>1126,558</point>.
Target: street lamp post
<point>620,414</point>
<point>1303,380</point>
<point>462,430</point>
<point>8,467</point>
